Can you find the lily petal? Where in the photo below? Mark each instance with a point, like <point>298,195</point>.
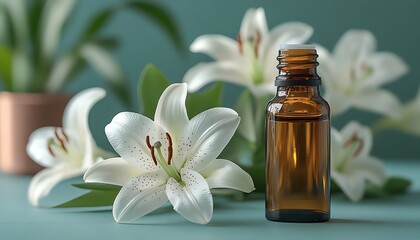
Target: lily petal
<point>338,103</point>
<point>127,134</point>
<point>219,47</point>
<point>379,101</point>
<point>253,22</point>
<point>139,197</point>
<point>75,122</point>
<point>204,73</point>
<point>260,21</point>
<point>37,147</point>
<point>55,14</point>
<point>353,46</point>
<point>115,171</point>
<point>43,182</point>
<point>204,138</point>
<point>326,68</point>
<point>368,168</point>
<point>171,113</point>
<point>386,67</point>
<point>247,26</point>
<point>75,119</point>
<point>352,186</point>
<point>193,200</point>
<point>225,174</point>
<point>337,150</point>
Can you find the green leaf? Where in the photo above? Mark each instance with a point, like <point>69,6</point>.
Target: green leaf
<point>78,64</point>
<point>396,185</point>
<point>55,15</point>
<point>94,198</point>
<point>161,17</point>
<point>100,59</point>
<point>34,22</point>
<point>22,71</point>
<point>17,15</point>
<point>6,66</point>
<point>373,191</point>
<point>96,23</point>
<point>199,102</point>
<point>151,85</point>
<point>393,186</point>
<point>107,42</point>
<point>6,33</point>
<point>98,186</point>
<point>53,20</point>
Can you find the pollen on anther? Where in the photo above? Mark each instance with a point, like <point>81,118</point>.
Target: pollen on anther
<point>170,148</point>
<point>50,150</point>
<point>64,134</point>
<point>239,39</point>
<point>60,139</point>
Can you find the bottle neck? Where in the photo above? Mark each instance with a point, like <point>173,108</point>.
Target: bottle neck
<point>297,67</point>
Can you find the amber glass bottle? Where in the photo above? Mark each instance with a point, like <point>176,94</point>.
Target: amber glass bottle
<point>298,141</point>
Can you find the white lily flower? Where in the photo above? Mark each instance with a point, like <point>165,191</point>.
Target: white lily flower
<point>65,152</point>
<point>171,158</point>
<point>354,72</point>
<point>251,60</point>
<point>408,118</point>
<point>351,163</point>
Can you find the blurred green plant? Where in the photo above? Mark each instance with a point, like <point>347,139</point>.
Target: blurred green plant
<point>30,33</point>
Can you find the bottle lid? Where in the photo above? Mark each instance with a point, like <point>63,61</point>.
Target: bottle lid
<point>296,46</point>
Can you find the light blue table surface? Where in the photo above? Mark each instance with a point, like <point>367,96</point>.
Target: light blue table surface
<point>396,217</point>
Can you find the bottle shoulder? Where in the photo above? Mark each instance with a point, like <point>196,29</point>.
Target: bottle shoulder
<point>299,107</point>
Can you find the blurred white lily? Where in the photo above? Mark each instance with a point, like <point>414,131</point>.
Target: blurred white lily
<point>171,158</point>
<point>65,152</point>
<point>251,60</point>
<point>351,163</point>
<point>408,118</point>
<point>354,72</point>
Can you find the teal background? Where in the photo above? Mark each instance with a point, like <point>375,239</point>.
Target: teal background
<point>394,23</point>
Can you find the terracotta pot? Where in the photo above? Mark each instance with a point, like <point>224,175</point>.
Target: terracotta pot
<point>20,115</point>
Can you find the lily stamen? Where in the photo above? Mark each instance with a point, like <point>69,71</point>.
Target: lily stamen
<point>352,140</point>
<point>170,149</point>
<point>152,149</point>
<point>49,147</point>
<point>64,134</point>
<point>148,142</point>
<point>257,42</point>
<point>60,140</point>
<point>239,39</point>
